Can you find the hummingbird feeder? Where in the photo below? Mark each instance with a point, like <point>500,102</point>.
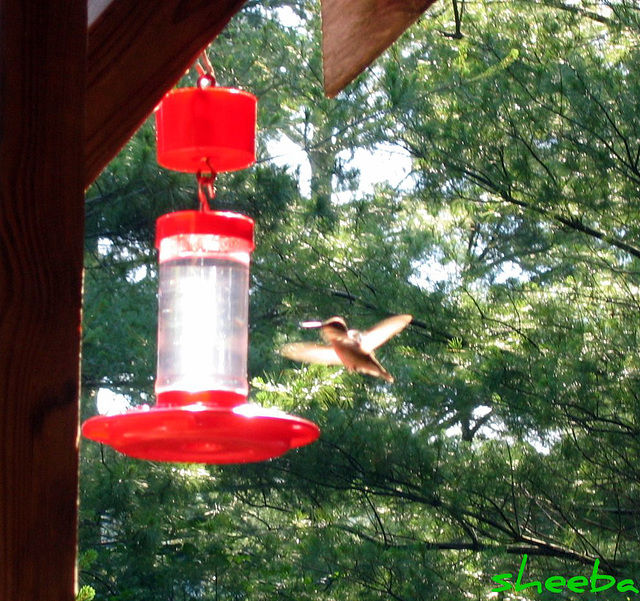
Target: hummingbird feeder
<point>201,413</point>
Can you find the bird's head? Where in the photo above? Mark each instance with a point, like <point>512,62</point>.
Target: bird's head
<point>334,324</point>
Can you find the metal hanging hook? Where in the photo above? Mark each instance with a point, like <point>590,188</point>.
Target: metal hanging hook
<point>206,188</point>
<point>206,75</point>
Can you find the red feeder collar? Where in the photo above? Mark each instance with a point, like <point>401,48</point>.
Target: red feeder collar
<point>219,223</point>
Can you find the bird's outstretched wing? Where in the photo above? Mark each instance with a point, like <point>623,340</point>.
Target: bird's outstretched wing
<point>381,332</point>
<point>310,353</point>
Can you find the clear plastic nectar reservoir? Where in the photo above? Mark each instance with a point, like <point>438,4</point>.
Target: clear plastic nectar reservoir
<point>203,307</point>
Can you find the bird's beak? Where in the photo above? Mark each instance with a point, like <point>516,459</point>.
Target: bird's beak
<point>311,324</point>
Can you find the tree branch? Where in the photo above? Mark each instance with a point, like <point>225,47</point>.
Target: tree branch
<point>570,222</point>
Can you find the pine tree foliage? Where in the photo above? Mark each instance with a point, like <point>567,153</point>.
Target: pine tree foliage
<point>513,425</point>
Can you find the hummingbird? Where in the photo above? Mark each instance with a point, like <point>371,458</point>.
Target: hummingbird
<point>351,348</point>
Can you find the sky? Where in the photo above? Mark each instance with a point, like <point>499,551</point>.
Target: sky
<point>387,164</point>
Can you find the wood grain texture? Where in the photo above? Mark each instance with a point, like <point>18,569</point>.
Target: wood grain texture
<point>356,32</point>
<point>137,51</point>
<point>42,83</point>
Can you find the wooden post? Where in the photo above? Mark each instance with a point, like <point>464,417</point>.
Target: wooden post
<point>42,91</point>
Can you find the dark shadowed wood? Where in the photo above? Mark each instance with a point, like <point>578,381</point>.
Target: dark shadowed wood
<point>42,71</point>
<point>137,51</point>
<point>356,32</point>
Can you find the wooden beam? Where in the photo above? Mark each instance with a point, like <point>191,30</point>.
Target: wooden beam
<point>42,83</point>
<point>356,32</point>
<point>137,51</point>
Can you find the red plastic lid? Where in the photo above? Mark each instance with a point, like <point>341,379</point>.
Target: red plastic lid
<point>202,434</point>
<point>219,223</point>
<point>199,129</point>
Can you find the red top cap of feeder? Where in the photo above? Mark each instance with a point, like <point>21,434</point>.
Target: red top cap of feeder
<point>203,129</point>
<point>218,223</point>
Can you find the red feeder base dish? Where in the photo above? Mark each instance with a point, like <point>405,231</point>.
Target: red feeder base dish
<point>202,434</point>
